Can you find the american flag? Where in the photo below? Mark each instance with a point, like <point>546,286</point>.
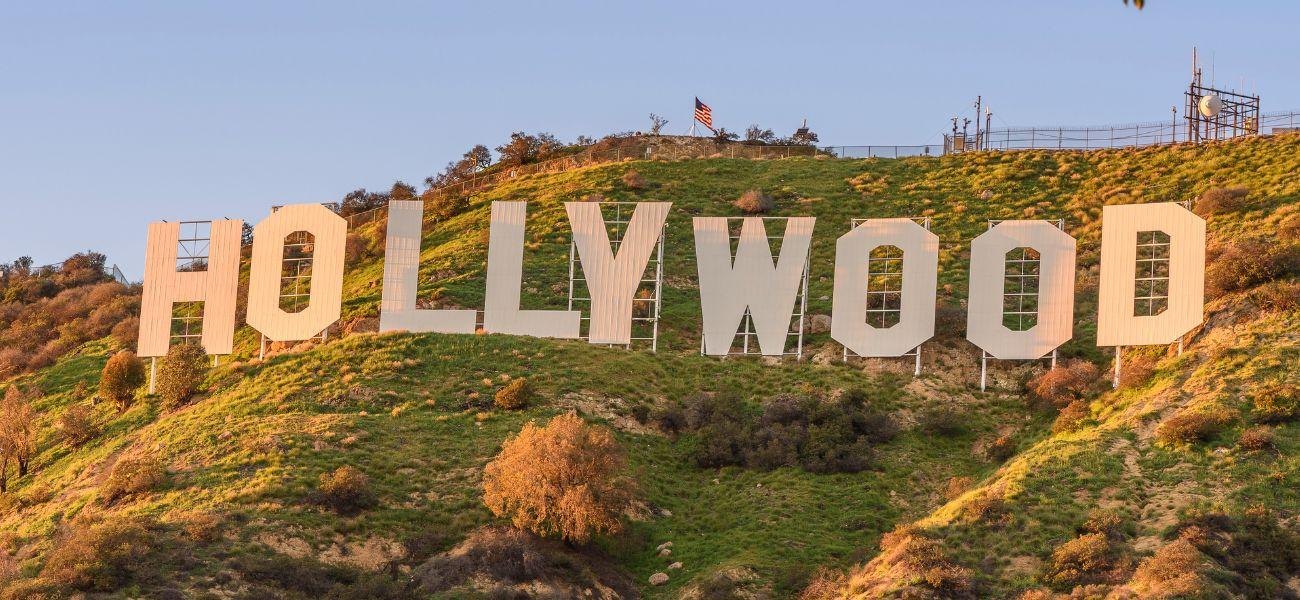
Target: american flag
<point>703,113</point>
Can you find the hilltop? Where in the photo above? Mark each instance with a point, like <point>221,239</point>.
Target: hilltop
<point>985,486</point>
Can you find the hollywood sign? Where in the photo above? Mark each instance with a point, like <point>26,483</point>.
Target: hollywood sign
<point>731,286</point>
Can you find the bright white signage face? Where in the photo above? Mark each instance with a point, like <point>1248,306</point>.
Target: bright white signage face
<point>505,273</point>
<point>216,287</point>
<point>329,237</point>
<point>989,274</point>
<point>1152,274</point>
<point>397,311</point>
<point>613,277</point>
<point>920,261</point>
<point>768,291</point>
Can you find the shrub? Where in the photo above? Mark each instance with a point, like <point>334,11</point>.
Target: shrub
<point>1071,418</point>
<point>1215,201</point>
<point>924,560</point>
<point>514,396</point>
<point>100,554</point>
<point>180,374</point>
<point>1193,426</point>
<point>988,507</point>
<point>633,180</point>
<point>1002,448</point>
<point>566,479</point>
<point>670,419</point>
<point>356,247</point>
<point>346,490</point>
<point>126,331</point>
<point>755,202</point>
<point>1245,263</point>
<point>77,425</point>
<point>1256,438</point>
<point>825,585</point>
<point>1175,571</point>
<point>1064,384</point>
<point>1280,296</point>
<point>941,420</point>
<point>821,436</point>
<point>956,487</point>
<point>446,206</point>
<point>1103,521</point>
<point>123,374</point>
<point>132,475</point>
<point>1081,560</point>
<point>1136,370</point>
<point>1277,402</point>
<point>201,526</point>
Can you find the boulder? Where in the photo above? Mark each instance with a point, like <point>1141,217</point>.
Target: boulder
<point>659,579</point>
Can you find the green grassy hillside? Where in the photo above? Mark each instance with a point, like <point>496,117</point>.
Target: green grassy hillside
<point>413,411</point>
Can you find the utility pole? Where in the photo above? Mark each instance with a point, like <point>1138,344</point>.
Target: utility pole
<point>978,100</point>
<point>988,121</point>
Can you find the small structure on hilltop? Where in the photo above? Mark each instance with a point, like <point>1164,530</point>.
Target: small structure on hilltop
<point>1217,114</point>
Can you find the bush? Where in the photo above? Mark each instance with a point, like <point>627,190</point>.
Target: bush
<point>1002,449</point>
<point>1256,438</point>
<point>132,475</point>
<point>1071,418</point>
<point>670,419</point>
<point>1277,402</point>
<point>989,507</point>
<point>1245,263</point>
<point>633,180</point>
<point>1064,384</point>
<point>1216,201</point>
<point>126,331</point>
<point>566,479</point>
<point>820,436</point>
<point>1280,296</point>
<point>941,420</point>
<point>956,487</point>
<point>201,527</point>
<point>1136,370</point>
<point>356,247</point>
<point>446,206</point>
<point>1175,571</point>
<point>923,560</point>
<point>346,490</point>
<point>180,374</point>
<point>100,554</point>
<point>1193,426</point>
<point>1103,521</point>
<point>1082,560</point>
<point>514,396</point>
<point>123,374</point>
<point>77,425</point>
<point>755,202</point>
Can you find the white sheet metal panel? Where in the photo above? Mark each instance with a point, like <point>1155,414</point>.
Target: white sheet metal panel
<point>613,278</point>
<point>1055,324</point>
<point>217,287</point>
<point>1116,323</point>
<point>397,311</point>
<point>920,279</point>
<point>769,292</point>
<point>329,232</point>
<point>505,274</point>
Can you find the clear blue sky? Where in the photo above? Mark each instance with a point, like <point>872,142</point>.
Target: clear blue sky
<point>114,114</point>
